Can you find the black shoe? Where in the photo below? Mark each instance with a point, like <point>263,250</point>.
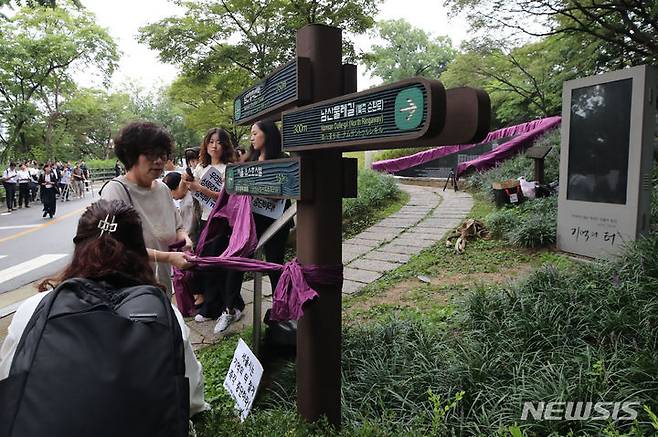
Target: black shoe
<point>51,216</point>
<point>44,213</point>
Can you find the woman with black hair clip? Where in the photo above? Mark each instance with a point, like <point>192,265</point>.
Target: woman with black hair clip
<point>266,144</point>
<point>216,151</point>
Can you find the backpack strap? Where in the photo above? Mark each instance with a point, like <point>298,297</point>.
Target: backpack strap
<point>122,184</point>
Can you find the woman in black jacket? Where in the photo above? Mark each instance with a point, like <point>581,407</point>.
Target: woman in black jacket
<point>48,182</point>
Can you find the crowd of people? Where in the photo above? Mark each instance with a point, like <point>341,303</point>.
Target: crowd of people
<point>123,252</point>
<point>31,182</point>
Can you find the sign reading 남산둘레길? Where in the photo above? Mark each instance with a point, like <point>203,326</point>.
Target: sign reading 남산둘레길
<point>285,87</point>
<point>384,117</point>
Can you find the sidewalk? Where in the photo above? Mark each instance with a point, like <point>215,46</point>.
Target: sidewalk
<point>424,220</point>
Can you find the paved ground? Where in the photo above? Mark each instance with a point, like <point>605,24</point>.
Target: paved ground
<point>424,220</point>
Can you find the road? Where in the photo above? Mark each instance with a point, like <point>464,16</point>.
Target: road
<point>32,247</point>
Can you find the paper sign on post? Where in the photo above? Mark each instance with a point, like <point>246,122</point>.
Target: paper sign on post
<point>213,180</point>
<point>243,378</point>
<point>268,207</point>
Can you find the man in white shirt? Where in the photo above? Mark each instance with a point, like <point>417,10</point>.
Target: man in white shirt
<point>23,186</point>
<point>9,181</point>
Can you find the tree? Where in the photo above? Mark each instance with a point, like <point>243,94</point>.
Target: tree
<point>628,27</point>
<point>523,82</point>
<point>159,107</point>
<point>408,52</point>
<point>39,49</point>
<point>255,35</point>
<point>91,118</point>
<point>208,102</point>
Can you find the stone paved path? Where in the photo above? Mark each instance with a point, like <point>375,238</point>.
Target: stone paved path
<point>424,220</point>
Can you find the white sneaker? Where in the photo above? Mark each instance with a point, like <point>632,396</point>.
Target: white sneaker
<point>200,318</point>
<point>226,319</point>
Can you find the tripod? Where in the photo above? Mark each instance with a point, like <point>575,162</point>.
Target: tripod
<point>453,177</point>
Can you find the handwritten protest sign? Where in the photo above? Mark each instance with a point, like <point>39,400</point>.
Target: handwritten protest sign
<point>268,207</point>
<point>243,378</point>
<point>212,180</point>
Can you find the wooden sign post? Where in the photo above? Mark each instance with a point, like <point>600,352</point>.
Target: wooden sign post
<point>410,113</point>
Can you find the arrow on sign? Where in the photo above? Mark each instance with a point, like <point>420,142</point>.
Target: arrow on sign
<point>411,109</point>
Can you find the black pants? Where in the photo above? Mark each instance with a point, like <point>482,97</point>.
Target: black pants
<point>24,194</point>
<point>220,287</point>
<point>48,200</point>
<point>10,192</point>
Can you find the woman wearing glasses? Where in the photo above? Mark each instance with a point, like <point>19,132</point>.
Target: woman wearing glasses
<point>143,148</point>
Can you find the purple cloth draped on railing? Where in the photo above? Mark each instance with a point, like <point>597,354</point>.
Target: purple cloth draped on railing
<point>293,289</point>
<point>510,148</point>
<point>530,130</point>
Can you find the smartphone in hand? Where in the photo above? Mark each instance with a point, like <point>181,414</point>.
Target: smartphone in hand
<point>189,174</point>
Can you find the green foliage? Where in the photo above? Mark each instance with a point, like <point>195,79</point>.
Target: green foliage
<point>627,33</point>
<point>255,36</point>
<point>408,52</point>
<point>398,153</point>
<point>375,192</point>
<point>39,49</point>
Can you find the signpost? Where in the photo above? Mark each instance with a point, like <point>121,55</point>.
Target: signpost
<point>285,87</point>
<point>276,178</point>
<point>409,113</point>
<point>392,115</point>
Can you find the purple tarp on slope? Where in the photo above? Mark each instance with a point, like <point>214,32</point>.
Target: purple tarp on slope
<point>524,134</point>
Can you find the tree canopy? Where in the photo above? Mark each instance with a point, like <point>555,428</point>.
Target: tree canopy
<point>39,50</point>
<point>408,52</point>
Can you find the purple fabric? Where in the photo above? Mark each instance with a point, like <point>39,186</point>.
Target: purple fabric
<point>510,148</point>
<point>236,210</point>
<point>292,291</point>
<point>405,162</point>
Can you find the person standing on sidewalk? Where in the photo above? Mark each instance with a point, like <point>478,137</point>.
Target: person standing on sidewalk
<point>23,177</point>
<point>9,181</point>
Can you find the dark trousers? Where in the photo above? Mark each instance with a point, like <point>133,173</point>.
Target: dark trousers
<point>221,287</point>
<point>10,192</point>
<point>24,194</point>
<point>48,200</point>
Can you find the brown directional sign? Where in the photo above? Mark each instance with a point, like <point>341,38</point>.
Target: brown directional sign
<point>275,178</point>
<point>468,118</point>
<point>286,87</point>
<point>390,116</point>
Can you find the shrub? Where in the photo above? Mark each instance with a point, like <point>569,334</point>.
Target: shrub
<point>502,221</point>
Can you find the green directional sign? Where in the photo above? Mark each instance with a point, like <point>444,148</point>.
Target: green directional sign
<point>277,178</point>
<point>409,107</point>
<point>395,115</point>
<point>285,87</point>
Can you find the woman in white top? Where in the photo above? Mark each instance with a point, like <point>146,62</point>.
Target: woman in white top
<point>124,264</point>
<point>9,181</point>
<point>216,151</point>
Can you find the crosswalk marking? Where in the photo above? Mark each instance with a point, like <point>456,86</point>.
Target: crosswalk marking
<point>4,228</point>
<point>25,267</point>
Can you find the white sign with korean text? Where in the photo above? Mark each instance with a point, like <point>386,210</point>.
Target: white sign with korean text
<point>243,378</point>
<point>213,180</point>
<point>268,207</point>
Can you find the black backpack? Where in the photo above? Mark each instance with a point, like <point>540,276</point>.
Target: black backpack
<point>94,361</point>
